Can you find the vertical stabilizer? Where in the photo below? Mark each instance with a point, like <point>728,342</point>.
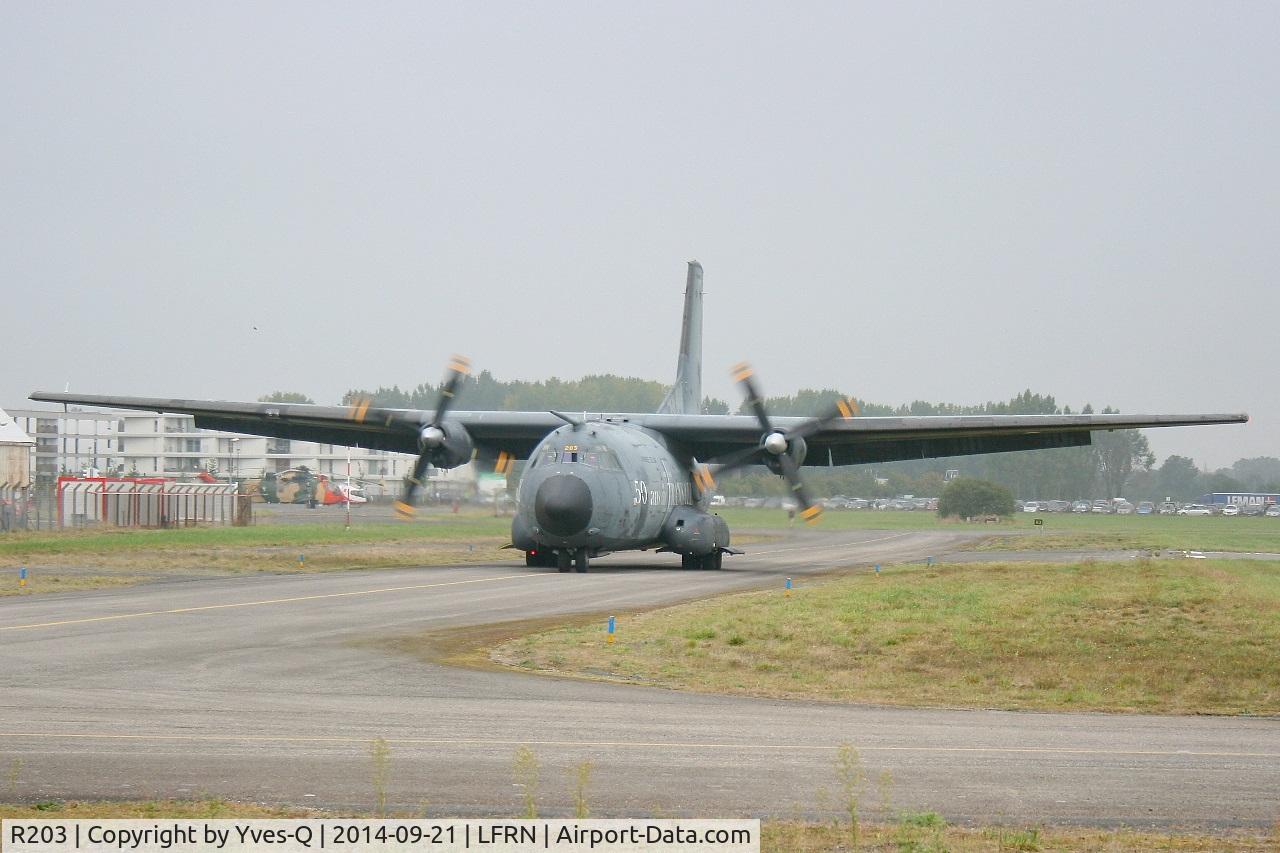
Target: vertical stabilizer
<point>685,397</point>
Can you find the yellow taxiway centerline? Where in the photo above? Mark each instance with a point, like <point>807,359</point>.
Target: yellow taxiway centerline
<point>262,603</point>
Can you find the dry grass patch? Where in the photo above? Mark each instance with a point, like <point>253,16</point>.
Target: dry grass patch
<point>107,557</point>
<point>1154,636</point>
<point>925,832</point>
<point>146,809</point>
<point>63,582</point>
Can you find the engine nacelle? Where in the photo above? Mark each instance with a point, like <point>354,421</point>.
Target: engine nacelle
<point>796,449</point>
<point>689,530</point>
<point>449,445</point>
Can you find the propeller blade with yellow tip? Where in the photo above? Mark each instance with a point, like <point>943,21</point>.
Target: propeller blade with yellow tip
<point>459,369</point>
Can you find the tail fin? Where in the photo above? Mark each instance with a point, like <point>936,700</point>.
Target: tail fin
<point>685,396</point>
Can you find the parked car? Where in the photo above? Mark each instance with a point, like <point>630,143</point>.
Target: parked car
<point>1230,509</point>
<point>1031,506</point>
<point>1059,506</point>
<point>1123,507</point>
<point>1168,508</point>
<point>1273,511</point>
<point>1101,506</point>
<point>1146,508</point>
<point>1195,509</point>
<point>1080,506</point>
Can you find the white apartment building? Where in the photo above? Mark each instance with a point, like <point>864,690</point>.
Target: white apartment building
<point>69,442</point>
<point>135,444</point>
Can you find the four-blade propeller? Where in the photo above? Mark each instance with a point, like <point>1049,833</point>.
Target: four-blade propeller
<point>781,450</point>
<point>439,441</point>
<point>434,435</point>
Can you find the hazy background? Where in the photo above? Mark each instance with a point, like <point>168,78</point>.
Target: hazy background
<point>950,202</point>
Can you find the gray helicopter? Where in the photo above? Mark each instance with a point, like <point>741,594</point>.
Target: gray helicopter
<point>600,483</point>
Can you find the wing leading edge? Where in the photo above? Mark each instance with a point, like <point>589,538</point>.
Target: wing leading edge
<point>380,429</point>
<point>849,441</point>
<point>859,440</point>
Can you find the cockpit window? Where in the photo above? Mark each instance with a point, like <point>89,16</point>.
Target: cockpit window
<point>595,457</point>
<point>603,458</point>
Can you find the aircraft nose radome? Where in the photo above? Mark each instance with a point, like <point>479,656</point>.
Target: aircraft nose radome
<point>563,505</point>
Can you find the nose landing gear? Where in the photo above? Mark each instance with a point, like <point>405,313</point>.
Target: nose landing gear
<point>710,561</point>
<point>564,560</point>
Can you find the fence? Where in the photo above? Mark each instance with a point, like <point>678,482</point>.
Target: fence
<point>146,502</point>
<point>19,508</point>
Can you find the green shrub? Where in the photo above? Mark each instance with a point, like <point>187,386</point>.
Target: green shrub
<point>966,497</point>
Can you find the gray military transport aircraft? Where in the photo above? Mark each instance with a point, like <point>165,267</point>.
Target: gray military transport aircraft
<point>597,483</point>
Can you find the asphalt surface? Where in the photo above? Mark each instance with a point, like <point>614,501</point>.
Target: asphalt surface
<point>271,688</point>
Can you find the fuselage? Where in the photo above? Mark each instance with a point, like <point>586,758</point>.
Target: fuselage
<point>606,485</point>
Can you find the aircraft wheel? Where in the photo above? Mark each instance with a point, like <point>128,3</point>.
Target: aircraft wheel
<point>582,560</point>
<point>717,560</point>
<point>563,560</point>
<point>688,561</point>
<point>532,560</point>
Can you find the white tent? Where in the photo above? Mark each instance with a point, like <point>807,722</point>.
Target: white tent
<point>15,453</point>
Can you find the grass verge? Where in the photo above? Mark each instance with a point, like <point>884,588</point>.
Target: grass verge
<point>1059,531</point>
<point>104,540</point>
<point>1150,636</point>
<point>910,831</point>
<point>103,558</point>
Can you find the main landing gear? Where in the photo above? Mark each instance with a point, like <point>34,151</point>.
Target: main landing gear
<point>563,560</point>
<point>710,561</point>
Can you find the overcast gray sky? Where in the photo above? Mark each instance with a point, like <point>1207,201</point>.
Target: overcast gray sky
<point>905,201</point>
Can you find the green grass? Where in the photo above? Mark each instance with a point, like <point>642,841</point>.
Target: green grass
<point>98,540</point>
<point>773,519</point>
<point>1060,531</point>
<point>1157,636</point>
<point>108,557</point>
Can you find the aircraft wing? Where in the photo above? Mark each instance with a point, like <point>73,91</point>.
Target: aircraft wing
<point>853,441</point>
<point>849,441</point>
<point>380,429</point>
